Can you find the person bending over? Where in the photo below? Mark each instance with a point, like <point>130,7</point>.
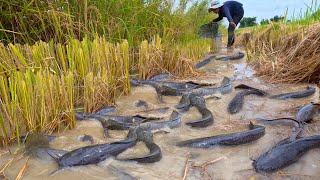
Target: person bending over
<point>233,11</point>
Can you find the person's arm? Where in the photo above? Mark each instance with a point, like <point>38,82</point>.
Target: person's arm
<point>217,19</point>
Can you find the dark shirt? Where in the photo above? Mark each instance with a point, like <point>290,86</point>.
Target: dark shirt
<point>229,10</point>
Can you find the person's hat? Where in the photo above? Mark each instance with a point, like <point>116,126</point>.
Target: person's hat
<point>215,4</point>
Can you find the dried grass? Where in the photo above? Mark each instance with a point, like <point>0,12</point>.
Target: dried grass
<point>283,56</point>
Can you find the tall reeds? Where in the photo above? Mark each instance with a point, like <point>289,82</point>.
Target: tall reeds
<point>135,20</point>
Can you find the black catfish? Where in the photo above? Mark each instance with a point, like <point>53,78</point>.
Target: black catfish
<point>236,56</point>
<point>285,153</point>
<point>255,132</point>
<point>96,153</point>
<point>160,77</point>
<point>224,88</point>
<point>154,155</point>
<point>205,61</point>
<point>173,122</point>
<point>237,102</point>
<point>304,115</point>
<point>295,95</point>
<point>104,111</point>
<point>113,122</point>
<point>174,88</point>
<point>205,121</point>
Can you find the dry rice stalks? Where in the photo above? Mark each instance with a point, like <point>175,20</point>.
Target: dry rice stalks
<point>290,58</point>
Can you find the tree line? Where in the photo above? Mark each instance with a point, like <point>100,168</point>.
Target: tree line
<point>252,21</point>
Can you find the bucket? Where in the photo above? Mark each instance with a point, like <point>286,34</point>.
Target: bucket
<point>216,43</point>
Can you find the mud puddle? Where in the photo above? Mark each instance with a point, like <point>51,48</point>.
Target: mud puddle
<point>221,162</point>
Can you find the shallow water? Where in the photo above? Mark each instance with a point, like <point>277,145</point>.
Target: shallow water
<point>232,162</point>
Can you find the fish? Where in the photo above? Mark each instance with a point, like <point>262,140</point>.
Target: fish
<point>224,88</point>
<point>184,103</point>
<point>105,111</point>
<point>156,78</point>
<point>295,95</point>
<point>85,138</point>
<point>307,112</point>
<point>254,133</point>
<point>204,62</point>
<point>236,56</point>
<point>304,115</point>
<point>47,153</point>
<point>160,77</point>
<point>164,88</point>
<point>246,87</point>
<point>200,103</point>
<point>94,154</point>
<point>176,89</point>
<point>205,121</point>
<point>173,122</point>
<point>154,155</point>
<point>237,102</point>
<point>121,122</point>
<point>285,153</point>
<point>142,103</point>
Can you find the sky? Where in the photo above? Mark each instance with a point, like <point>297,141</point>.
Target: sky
<point>263,9</point>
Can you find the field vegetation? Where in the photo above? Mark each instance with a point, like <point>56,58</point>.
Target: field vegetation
<point>286,51</point>
<point>59,57</point>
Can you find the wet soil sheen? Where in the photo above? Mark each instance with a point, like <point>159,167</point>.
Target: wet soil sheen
<point>221,162</point>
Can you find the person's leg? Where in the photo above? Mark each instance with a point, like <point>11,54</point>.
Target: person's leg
<point>230,36</point>
<point>236,20</point>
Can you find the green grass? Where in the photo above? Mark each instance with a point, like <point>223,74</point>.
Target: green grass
<point>135,20</point>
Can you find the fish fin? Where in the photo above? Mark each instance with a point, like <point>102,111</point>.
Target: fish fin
<point>167,131</point>
<point>55,157</point>
<point>175,114</point>
<point>243,86</point>
<point>225,81</point>
<point>106,133</point>
<point>192,82</point>
<point>296,134</point>
<point>146,118</point>
<point>252,159</point>
<point>251,125</point>
<point>160,97</point>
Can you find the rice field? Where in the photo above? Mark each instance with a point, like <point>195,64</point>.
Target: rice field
<point>43,85</point>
